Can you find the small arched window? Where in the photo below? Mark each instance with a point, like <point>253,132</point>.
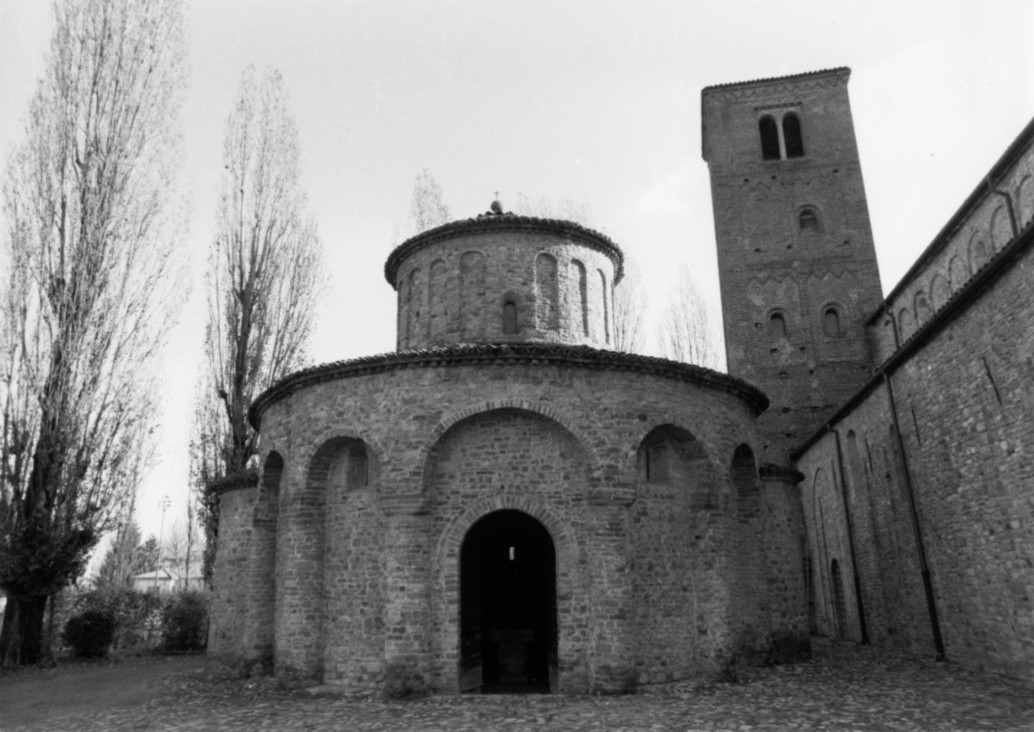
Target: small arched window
<point>509,317</point>
<point>792,136</point>
<point>777,326</point>
<point>808,221</point>
<point>769,138</point>
<point>831,321</point>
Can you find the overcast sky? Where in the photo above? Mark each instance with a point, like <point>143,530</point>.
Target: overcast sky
<point>597,102</point>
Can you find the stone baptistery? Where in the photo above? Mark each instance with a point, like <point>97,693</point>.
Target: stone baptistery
<point>506,503</point>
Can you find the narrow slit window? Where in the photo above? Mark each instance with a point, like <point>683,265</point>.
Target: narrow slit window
<point>509,317</point>
<point>792,136</point>
<point>769,138</point>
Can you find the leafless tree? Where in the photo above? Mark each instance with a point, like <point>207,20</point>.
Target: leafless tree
<point>567,209</point>
<point>85,296</point>
<point>630,310</point>
<point>685,332</point>
<point>264,280</point>
<point>427,209</point>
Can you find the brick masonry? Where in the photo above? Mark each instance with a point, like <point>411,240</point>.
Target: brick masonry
<point>883,497</point>
<point>775,261</point>
<point>912,426</point>
<point>343,563</point>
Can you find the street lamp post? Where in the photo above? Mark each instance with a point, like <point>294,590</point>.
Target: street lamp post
<point>164,504</point>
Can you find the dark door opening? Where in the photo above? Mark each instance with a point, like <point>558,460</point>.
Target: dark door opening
<point>508,625</point>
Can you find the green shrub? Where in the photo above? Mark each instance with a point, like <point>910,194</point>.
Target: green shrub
<point>90,633</point>
<point>137,614</point>
<point>185,623</point>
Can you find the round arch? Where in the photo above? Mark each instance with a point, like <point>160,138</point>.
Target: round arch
<point>447,579</point>
<point>508,604</point>
<point>521,405</point>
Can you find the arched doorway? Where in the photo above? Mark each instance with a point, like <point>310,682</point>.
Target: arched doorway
<point>508,626</point>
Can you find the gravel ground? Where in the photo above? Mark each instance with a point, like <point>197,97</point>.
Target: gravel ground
<point>845,687</point>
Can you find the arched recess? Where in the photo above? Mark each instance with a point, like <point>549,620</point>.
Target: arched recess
<point>345,470</point>
<point>922,308</point>
<point>682,551</point>
<point>839,600</point>
<point>505,450</point>
<point>906,325</point>
<point>939,291</point>
<point>508,605</point>
<point>339,466</point>
<point>1001,230</point>
<point>820,594</point>
<point>744,474</point>
<point>586,444</point>
<point>978,253</point>
<point>417,315</point>
<point>472,292</point>
<point>547,286</point>
<point>1025,201</point>
<point>670,455</point>
<point>262,589</point>
<point>580,315</point>
<point>607,299</point>
<point>439,301</point>
<point>958,272</point>
<point>748,558</point>
<point>572,624</point>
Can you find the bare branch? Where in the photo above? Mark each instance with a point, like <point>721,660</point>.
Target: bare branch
<point>685,332</point>
<point>265,278</point>
<point>87,300</point>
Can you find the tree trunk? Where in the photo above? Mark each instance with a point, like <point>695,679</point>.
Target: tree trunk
<point>22,635</point>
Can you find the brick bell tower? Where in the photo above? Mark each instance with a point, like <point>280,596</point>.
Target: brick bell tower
<point>795,251</point>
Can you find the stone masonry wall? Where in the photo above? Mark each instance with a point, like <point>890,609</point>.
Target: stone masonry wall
<point>557,441</point>
<point>963,400</point>
<point>794,244</point>
<point>980,229</point>
<point>226,633</point>
<point>454,290</point>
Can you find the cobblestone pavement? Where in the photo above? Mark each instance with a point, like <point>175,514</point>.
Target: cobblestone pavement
<point>844,688</point>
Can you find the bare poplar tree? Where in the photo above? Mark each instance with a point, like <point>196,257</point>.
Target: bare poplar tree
<point>85,297</point>
<point>567,209</point>
<point>427,210</point>
<point>630,310</point>
<point>263,284</point>
<point>685,332</point>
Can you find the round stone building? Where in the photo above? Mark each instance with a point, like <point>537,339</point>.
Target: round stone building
<point>504,502</point>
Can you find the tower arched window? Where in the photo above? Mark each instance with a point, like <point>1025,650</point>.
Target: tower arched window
<point>792,136</point>
<point>769,138</point>
<point>831,321</point>
<point>509,317</point>
<point>808,221</point>
<point>777,326</point>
